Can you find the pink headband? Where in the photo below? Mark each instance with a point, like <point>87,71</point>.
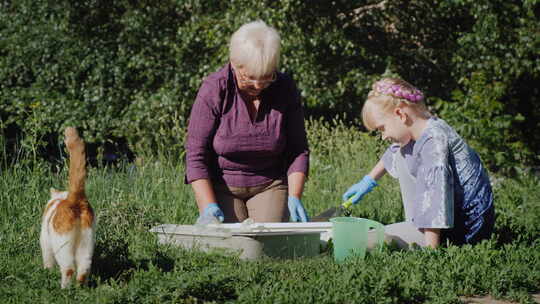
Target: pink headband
<point>384,87</point>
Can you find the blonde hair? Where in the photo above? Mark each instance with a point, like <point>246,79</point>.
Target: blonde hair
<point>255,47</point>
<point>390,93</point>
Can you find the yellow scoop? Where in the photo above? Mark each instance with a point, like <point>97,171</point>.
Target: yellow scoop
<point>342,210</point>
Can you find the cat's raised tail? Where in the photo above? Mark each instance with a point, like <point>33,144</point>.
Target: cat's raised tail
<point>67,230</point>
<point>76,206</point>
<point>77,164</point>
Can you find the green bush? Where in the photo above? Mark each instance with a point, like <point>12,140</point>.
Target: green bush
<point>497,66</point>
<point>95,64</point>
<point>124,70</point>
<point>479,115</point>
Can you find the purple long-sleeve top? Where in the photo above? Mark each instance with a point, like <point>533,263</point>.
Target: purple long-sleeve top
<point>224,144</point>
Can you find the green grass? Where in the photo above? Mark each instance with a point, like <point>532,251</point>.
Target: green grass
<point>130,267</point>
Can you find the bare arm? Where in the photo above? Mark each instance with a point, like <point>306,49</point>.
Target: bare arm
<point>378,171</point>
<point>432,237</point>
<point>296,184</point>
<point>204,193</point>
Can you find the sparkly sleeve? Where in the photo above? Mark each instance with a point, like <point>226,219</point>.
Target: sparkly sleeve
<point>388,159</point>
<point>434,185</point>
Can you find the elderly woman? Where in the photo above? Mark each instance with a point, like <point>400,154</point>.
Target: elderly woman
<point>247,152</point>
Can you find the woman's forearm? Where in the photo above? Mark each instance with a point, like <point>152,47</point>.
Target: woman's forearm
<point>204,192</point>
<point>296,182</point>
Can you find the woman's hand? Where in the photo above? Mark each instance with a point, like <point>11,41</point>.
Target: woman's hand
<point>210,213</point>
<point>296,182</point>
<point>212,209</point>
<point>296,210</point>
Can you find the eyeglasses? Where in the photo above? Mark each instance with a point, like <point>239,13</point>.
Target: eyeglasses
<point>262,82</point>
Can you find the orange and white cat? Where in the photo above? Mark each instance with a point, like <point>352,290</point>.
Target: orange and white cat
<point>68,225</point>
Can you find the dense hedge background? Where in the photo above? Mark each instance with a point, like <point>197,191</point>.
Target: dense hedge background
<point>126,72</point>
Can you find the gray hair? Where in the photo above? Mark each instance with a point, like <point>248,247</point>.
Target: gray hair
<point>255,47</point>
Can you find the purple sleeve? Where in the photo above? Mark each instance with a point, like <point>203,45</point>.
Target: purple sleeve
<point>201,129</point>
<point>297,145</point>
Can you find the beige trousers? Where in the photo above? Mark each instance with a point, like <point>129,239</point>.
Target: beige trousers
<point>263,203</point>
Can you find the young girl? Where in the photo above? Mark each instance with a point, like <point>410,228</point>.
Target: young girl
<point>445,189</point>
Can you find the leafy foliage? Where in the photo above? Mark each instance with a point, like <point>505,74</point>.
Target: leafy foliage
<point>129,71</point>
<point>483,119</point>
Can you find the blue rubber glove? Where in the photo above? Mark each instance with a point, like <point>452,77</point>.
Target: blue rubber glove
<point>358,190</point>
<point>296,210</point>
<point>212,209</point>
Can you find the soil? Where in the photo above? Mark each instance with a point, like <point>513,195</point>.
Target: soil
<point>490,300</point>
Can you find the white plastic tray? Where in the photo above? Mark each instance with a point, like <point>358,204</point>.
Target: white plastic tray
<point>283,240</point>
<point>242,228</point>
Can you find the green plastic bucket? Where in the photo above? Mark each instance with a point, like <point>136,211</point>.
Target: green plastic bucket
<point>350,236</point>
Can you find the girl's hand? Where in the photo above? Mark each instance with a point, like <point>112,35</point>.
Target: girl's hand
<point>358,190</point>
